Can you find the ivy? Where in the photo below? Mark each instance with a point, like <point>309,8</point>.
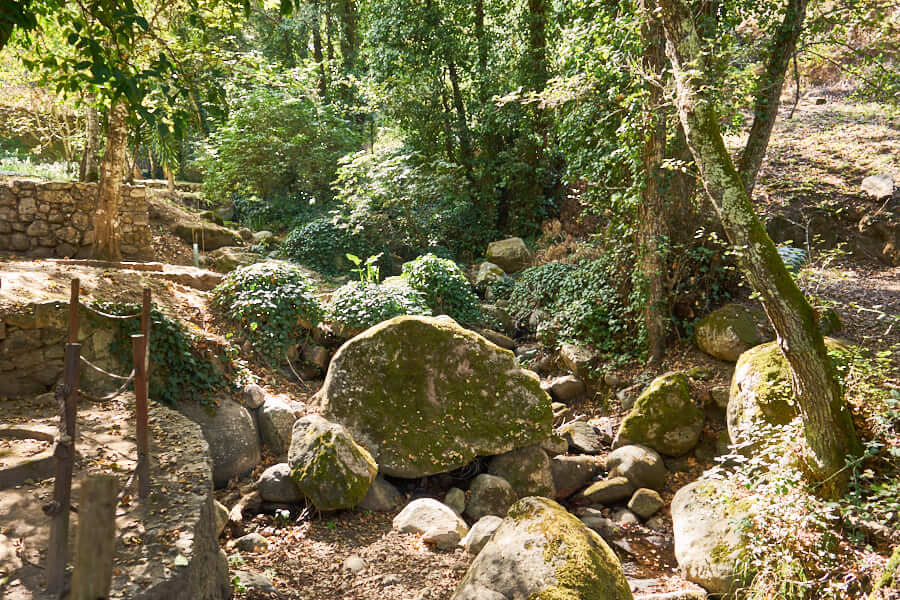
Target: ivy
<point>360,305</point>
<point>445,288</point>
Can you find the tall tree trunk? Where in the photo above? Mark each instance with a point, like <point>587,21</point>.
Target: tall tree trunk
<point>482,42</point>
<point>768,93</point>
<point>826,418</point>
<point>537,44</point>
<point>109,189</point>
<point>350,37</point>
<point>653,223</point>
<point>317,49</point>
<point>87,170</point>
<point>329,30</point>
<point>462,124</point>
<point>170,177</point>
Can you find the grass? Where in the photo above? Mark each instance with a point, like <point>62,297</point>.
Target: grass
<point>23,166</point>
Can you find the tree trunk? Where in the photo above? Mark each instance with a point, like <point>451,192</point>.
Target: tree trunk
<point>170,178</point>
<point>653,225</point>
<point>482,43</point>
<point>88,169</point>
<point>768,93</point>
<point>317,50</point>
<point>109,189</point>
<point>462,124</point>
<point>537,44</point>
<point>350,39</point>
<point>826,418</point>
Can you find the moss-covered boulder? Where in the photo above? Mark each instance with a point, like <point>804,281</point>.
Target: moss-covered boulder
<point>706,520</point>
<point>663,417</point>
<point>527,470</point>
<point>332,470</point>
<point>731,330</point>
<point>542,552</point>
<point>511,254</point>
<point>426,396</point>
<point>761,392</point>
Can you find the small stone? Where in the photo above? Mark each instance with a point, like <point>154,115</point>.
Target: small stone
<point>354,564</point>
<point>606,527</point>
<point>645,503</point>
<point>584,437</point>
<point>443,539</point>
<point>252,542</point>
<point>221,515</point>
<point>625,517</point>
<point>656,523</point>
<point>275,485</point>
<point>879,187</point>
<point>565,388</point>
<point>381,497</point>
<point>429,515</point>
<point>490,495</point>
<point>608,491</point>
<point>643,466</point>
<point>456,499</point>
<point>480,534</point>
<point>571,473</point>
<point>254,581</point>
<point>391,579</point>
<point>253,396</point>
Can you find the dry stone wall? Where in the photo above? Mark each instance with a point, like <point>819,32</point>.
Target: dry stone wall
<point>47,219</point>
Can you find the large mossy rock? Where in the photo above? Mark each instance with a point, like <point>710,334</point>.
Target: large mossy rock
<point>331,469</point>
<point>426,396</point>
<point>527,470</point>
<point>731,330</point>
<point>541,551</point>
<point>232,435</point>
<point>208,236</point>
<point>229,258</point>
<point>663,417</point>
<point>761,391</point>
<point>706,516</point>
<point>511,254</point>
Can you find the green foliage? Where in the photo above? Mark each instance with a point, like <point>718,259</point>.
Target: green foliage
<point>271,303</point>
<point>360,304</point>
<point>445,287</point>
<point>588,303</point>
<point>178,369</point>
<point>324,245</point>
<point>368,271</point>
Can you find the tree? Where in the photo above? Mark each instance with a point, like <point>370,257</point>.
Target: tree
<point>827,421</point>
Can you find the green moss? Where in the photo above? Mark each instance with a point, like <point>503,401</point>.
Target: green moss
<point>740,319</point>
<point>325,480</point>
<point>664,417</point>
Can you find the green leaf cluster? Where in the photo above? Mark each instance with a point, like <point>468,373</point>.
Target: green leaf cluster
<point>360,305</point>
<point>445,287</point>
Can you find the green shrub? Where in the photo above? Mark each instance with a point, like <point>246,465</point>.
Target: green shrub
<point>588,303</point>
<point>445,288</point>
<point>324,245</point>
<point>359,305</point>
<point>272,303</point>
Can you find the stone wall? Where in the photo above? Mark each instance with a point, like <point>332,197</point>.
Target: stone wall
<point>46,219</point>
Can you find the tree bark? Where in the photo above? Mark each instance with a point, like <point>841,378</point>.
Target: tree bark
<point>826,418</point>
<point>768,93</point>
<point>462,124</point>
<point>482,44</point>
<point>109,189</point>
<point>350,39</point>
<point>317,49</point>
<point>87,170</point>
<point>653,224</point>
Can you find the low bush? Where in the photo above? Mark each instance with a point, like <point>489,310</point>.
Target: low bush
<point>324,244</point>
<point>445,287</point>
<point>360,305</point>
<point>272,303</point>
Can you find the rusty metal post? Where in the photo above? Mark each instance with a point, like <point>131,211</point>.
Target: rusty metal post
<point>96,540</point>
<point>58,510</point>
<point>146,307</point>
<point>139,352</point>
<point>73,311</point>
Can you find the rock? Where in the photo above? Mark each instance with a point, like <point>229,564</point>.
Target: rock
<point>490,495</point>
<point>731,330</point>
<point>229,258</point>
<point>555,444</point>
<point>643,467</point>
<point>353,564</point>
<point>625,518</point>
<point>245,233</point>
<point>498,338</point>
<point>262,237</point>
<point>381,497</point>
<point>221,516</point>
<point>429,515</point>
<point>565,388</point>
<point>252,542</point>
<point>527,470</point>
<point>663,418</point>
<point>571,473</point>
<point>656,523</point>
<point>232,436</point>
<point>501,316</point>
<point>253,396</point>
<point>645,503</point>
<point>608,529</point>
<point>275,485</point>
<point>427,396</point>
<point>584,437</point>
<point>879,187</point>
<point>629,395</point>
<point>225,212</point>
<point>607,491</point>
<point>819,100</point>
<point>761,392</point>
<point>510,254</point>
<point>542,551</point>
<point>487,273</point>
<point>578,359</point>
<point>720,395</point>
<point>706,522</point>
<point>276,424</point>
<point>456,499</point>
<point>441,538</point>
<point>480,533</point>
<point>317,355</point>
<point>208,236</point>
<point>255,582</point>
<point>329,467</point>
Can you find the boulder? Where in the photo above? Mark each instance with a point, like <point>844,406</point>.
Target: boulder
<point>328,466</point>
<point>480,534</point>
<point>643,467</point>
<point>511,255</point>
<point>706,523</point>
<point>490,495</point>
<point>262,237</point>
<point>606,492</point>
<point>761,392</point>
<point>878,187</point>
<point>276,424</point>
<point>625,518</point>
<point>583,437</point>
<point>233,439</point>
<point>253,396</point>
<point>527,470</point>
<point>608,529</point>
<point>229,258</point>
<point>427,396</point>
<point>381,497</point>
<point>487,273</point>
<point>500,339</point>
<point>252,542</point>
<point>565,388</point>
<point>731,330</point>
<point>578,359</point>
<point>645,503</point>
<point>275,485</point>
<point>663,418</point>
<point>542,551</point>
<point>555,444</point>
<point>208,236</point>
<point>455,498</point>
<point>429,515</point>
<point>221,516</point>
<point>571,473</point>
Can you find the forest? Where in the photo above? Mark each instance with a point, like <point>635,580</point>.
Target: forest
<point>497,300</point>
